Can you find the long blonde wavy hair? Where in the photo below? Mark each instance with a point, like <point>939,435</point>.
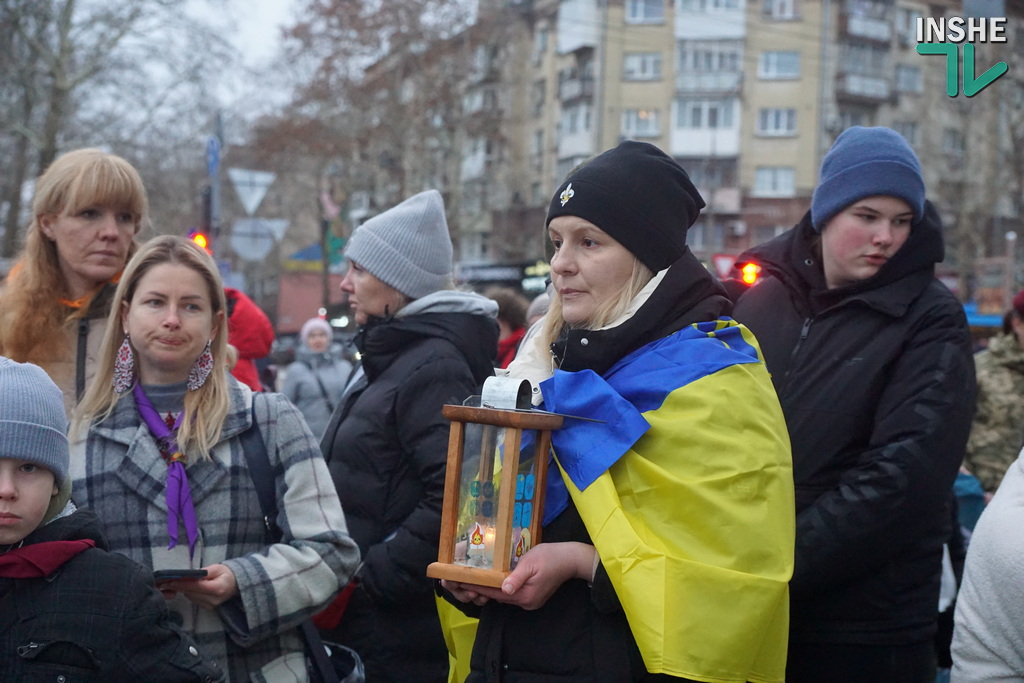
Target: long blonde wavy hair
<point>207,406</point>
<point>31,310</point>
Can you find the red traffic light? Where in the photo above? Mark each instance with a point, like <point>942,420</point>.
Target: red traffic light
<point>200,239</point>
<point>749,273</point>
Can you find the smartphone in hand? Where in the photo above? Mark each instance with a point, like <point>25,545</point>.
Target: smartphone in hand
<point>178,575</point>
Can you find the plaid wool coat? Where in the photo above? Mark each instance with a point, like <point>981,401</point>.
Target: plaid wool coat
<point>118,472</point>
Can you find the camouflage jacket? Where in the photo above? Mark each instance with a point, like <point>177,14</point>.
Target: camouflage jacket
<point>998,430</point>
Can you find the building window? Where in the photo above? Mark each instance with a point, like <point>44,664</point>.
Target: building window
<point>908,79</point>
<point>537,97</point>
<point>779,65</point>
<point>641,66</point>
<point>540,45</point>
<point>775,181</point>
<point>708,56</point>
<point>849,117</point>
<point>953,142</point>
<point>776,122</point>
<point>640,123</point>
<point>780,9</point>
<point>575,119</point>
<point>704,113</point>
<point>906,25</point>
<point>706,5</point>
<point>863,59</point>
<point>645,11</point>
<point>908,129</point>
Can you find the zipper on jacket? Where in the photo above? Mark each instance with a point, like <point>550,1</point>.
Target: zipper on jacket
<point>799,342</point>
<point>83,343</point>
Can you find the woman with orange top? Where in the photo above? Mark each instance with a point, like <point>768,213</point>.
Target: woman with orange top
<point>88,207</point>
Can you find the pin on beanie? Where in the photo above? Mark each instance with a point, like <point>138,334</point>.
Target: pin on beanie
<point>407,247</point>
<point>33,424</point>
<point>637,194</point>
<point>867,162</point>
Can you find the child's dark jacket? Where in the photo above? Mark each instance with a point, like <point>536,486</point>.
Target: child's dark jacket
<point>96,617</point>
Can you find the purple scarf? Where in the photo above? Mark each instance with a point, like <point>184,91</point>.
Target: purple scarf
<point>179,495</point>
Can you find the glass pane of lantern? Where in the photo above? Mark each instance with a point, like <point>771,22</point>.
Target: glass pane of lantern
<point>526,496</point>
<point>478,495</point>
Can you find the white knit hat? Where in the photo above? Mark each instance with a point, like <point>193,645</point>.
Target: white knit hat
<point>407,247</point>
<point>33,425</point>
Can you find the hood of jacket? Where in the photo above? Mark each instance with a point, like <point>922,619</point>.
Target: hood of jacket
<point>682,294</point>
<point>79,525</point>
<point>466,320</point>
<point>793,259</point>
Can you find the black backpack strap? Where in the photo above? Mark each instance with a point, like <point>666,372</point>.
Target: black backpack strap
<point>254,448</point>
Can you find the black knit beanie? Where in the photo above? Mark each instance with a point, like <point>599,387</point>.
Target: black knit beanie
<point>637,194</point>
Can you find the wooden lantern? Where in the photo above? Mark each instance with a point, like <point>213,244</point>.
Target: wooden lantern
<point>493,493</point>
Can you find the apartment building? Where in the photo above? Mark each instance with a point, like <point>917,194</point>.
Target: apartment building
<point>747,94</point>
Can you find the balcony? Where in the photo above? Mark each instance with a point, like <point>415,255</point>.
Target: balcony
<point>726,82</point>
<point>571,89</point>
<point>721,200</point>
<point>866,28</point>
<point>863,89</point>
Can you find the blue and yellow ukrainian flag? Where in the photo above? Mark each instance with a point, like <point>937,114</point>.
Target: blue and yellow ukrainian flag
<point>686,489</point>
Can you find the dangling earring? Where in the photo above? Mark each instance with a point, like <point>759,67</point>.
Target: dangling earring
<point>124,367</point>
<point>201,369</point>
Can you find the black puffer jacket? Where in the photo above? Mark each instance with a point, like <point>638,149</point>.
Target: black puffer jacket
<point>877,384</point>
<point>97,617</point>
<point>386,448</point>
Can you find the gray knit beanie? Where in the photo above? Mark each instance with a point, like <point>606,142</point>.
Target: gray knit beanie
<point>407,246</point>
<point>33,424</point>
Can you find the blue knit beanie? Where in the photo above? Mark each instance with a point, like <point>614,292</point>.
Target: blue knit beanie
<point>407,247</point>
<point>33,424</point>
<point>867,162</point>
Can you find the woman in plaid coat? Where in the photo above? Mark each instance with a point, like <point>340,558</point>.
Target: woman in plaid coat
<point>157,455</point>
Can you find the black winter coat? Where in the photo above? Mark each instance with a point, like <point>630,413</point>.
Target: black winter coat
<point>876,380</point>
<point>96,618</point>
<point>386,447</point>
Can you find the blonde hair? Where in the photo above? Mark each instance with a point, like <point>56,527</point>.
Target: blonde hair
<point>607,311</point>
<point>31,309</point>
<point>207,406</point>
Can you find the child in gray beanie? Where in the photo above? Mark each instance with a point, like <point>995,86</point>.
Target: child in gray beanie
<point>32,430</point>
<point>79,607</point>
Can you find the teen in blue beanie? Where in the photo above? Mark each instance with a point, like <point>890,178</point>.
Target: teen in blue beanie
<point>866,162</point>
<point>871,358</point>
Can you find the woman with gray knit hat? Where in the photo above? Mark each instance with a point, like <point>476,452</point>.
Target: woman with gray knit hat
<point>315,380</point>
<point>871,356</point>
<point>70,610</point>
<point>667,541</point>
<point>422,345</point>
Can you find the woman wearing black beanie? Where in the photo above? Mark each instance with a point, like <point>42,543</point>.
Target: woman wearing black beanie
<point>871,356</point>
<point>667,538</point>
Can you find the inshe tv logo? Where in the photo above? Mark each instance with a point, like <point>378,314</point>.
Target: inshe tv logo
<point>942,37</point>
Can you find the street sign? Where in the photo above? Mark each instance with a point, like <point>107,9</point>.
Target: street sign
<point>251,186</point>
<point>251,238</point>
<point>212,156</point>
<point>723,264</point>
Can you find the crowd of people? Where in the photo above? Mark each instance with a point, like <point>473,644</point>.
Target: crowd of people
<point>756,484</point>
